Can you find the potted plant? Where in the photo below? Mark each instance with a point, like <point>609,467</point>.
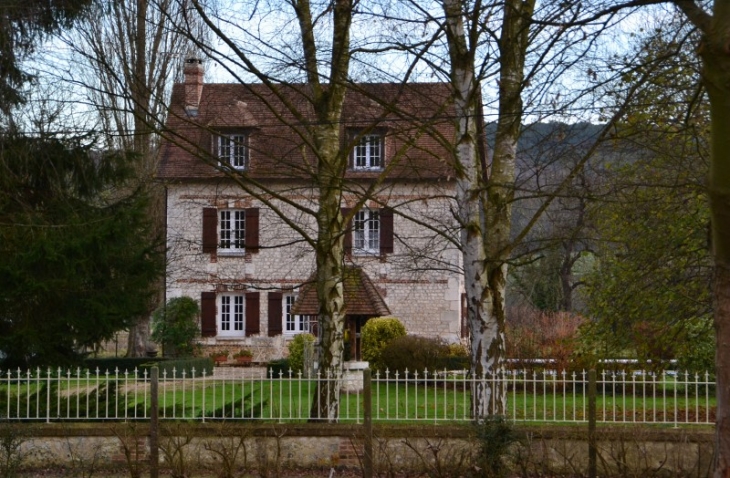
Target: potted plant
<point>243,356</point>
<point>220,356</point>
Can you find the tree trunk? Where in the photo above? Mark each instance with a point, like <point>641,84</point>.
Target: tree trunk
<point>140,92</point>
<point>484,196</point>
<point>722,365</point>
<point>715,54</point>
<point>331,296</point>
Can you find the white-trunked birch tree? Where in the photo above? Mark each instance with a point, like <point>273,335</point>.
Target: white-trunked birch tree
<point>527,50</point>
<point>484,198</point>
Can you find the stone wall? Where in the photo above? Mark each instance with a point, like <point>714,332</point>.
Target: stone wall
<point>426,449</point>
<point>419,282</point>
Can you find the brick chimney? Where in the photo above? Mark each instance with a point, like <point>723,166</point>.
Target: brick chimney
<point>193,72</point>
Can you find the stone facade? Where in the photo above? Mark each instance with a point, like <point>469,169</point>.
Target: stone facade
<point>419,282</point>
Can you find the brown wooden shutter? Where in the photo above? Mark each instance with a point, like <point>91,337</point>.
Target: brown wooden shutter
<point>386,231</point>
<point>207,314</point>
<point>252,230</point>
<point>210,229</point>
<point>253,314</point>
<point>276,315</point>
<point>348,232</point>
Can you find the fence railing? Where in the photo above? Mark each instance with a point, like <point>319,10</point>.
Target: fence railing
<point>622,397</point>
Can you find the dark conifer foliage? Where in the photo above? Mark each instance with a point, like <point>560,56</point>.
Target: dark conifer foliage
<point>76,262</point>
<point>22,23</point>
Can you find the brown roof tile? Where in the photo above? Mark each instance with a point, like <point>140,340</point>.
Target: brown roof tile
<point>279,128</point>
<point>361,296</point>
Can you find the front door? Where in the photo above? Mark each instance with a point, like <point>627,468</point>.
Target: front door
<point>353,324</point>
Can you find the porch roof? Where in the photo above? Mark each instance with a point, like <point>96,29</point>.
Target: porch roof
<point>361,296</point>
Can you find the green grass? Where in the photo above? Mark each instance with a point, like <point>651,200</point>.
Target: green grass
<point>290,401</point>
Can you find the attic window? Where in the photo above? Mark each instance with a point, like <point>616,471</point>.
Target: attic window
<point>232,150</point>
<point>368,152</point>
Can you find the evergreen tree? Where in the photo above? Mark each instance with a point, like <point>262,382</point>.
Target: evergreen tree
<point>77,265</point>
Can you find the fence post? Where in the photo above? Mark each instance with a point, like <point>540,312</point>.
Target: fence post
<point>592,448</point>
<point>368,423</point>
<point>154,423</point>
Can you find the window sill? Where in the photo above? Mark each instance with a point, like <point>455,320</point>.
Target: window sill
<point>230,253</point>
<point>365,253</point>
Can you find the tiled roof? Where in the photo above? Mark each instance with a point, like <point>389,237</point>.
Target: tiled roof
<point>361,296</point>
<point>278,127</point>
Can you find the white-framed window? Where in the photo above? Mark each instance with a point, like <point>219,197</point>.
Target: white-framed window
<point>293,324</point>
<point>368,153</point>
<point>231,314</point>
<point>233,150</point>
<point>232,230</point>
<point>366,232</point>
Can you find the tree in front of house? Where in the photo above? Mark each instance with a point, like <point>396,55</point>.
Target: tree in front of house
<point>76,265</point>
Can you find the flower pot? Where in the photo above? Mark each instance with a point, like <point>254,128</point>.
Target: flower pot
<point>244,360</point>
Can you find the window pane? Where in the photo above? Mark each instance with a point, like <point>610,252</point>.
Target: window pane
<point>225,229</point>
<point>232,229</point>
<point>368,152</point>
<point>225,312</point>
<point>238,311</point>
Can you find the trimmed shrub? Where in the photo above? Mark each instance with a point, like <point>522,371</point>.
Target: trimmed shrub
<point>415,354</point>
<point>182,365</point>
<point>175,326</point>
<point>458,358</point>
<point>278,367</point>
<point>376,334</point>
<point>123,364</point>
<point>296,351</point>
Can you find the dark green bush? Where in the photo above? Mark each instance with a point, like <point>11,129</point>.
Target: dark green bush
<point>175,326</point>
<point>495,435</point>
<point>183,365</point>
<point>113,363</point>
<point>415,354</point>
<point>278,366</point>
<point>376,334</point>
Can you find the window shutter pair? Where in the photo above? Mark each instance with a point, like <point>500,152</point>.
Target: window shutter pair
<point>386,231</point>
<point>210,230</point>
<point>208,322</point>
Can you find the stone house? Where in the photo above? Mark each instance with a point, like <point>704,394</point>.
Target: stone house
<point>236,169</point>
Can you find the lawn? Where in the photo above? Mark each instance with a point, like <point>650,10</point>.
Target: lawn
<point>290,400</point>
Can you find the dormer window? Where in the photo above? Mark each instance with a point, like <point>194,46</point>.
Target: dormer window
<point>368,152</point>
<point>232,150</point>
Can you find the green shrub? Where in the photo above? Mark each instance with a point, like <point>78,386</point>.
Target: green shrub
<point>175,326</point>
<point>415,354</point>
<point>128,364</point>
<point>276,367</point>
<point>376,334</point>
<point>182,365</point>
<point>495,435</point>
<point>296,351</point>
